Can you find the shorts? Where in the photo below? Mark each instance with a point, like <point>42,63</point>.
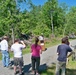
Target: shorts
<point>18,61</point>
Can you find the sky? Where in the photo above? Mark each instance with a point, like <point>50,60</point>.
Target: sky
<point>39,2</point>
<point>36,2</point>
<point>69,3</point>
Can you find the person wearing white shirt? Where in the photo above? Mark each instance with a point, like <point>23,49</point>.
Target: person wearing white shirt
<point>18,58</point>
<point>4,50</point>
<point>0,46</point>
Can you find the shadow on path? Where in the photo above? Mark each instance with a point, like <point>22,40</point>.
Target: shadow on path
<point>42,67</point>
<point>27,68</point>
<point>46,70</point>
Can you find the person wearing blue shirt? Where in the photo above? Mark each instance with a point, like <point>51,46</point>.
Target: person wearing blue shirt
<point>62,52</point>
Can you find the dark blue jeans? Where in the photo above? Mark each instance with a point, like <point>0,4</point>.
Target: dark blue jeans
<point>35,63</point>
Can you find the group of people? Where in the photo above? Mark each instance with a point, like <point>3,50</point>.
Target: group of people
<point>36,50</point>
<point>17,48</point>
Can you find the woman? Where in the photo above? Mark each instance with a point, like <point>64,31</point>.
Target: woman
<point>35,58</point>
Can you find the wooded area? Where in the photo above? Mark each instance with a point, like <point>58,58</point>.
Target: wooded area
<point>50,18</point>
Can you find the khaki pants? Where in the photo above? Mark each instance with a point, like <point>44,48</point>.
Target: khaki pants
<point>60,66</point>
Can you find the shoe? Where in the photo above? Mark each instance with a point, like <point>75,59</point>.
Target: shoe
<point>7,66</point>
<point>21,73</point>
<point>37,74</point>
<point>4,66</point>
<point>32,73</point>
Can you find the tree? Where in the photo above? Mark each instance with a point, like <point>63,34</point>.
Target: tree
<point>71,23</point>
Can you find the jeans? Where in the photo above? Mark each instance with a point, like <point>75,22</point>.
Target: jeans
<point>35,63</point>
<point>5,58</point>
<point>60,66</point>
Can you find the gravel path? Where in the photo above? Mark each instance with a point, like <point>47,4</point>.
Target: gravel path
<point>47,58</point>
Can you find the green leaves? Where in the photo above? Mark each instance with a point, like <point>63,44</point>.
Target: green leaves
<point>37,19</point>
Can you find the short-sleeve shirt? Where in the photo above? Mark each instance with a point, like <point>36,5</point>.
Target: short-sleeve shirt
<point>17,49</point>
<point>4,45</point>
<point>35,50</point>
<point>62,51</point>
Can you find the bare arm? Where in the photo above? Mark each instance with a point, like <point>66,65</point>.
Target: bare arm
<point>23,43</point>
<point>40,51</point>
<point>70,54</point>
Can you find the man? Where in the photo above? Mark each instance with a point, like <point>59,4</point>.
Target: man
<point>62,52</point>
<point>0,43</point>
<point>18,58</point>
<point>5,52</point>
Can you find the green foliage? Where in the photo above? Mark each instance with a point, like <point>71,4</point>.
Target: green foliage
<point>70,69</point>
<point>71,23</point>
<point>38,19</point>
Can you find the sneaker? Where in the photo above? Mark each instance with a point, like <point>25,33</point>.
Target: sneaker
<point>32,73</point>
<point>37,74</point>
<point>4,66</point>
<point>7,66</point>
<point>21,73</point>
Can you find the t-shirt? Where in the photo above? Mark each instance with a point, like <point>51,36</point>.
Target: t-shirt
<point>4,45</point>
<point>17,49</point>
<point>62,51</point>
<point>35,50</point>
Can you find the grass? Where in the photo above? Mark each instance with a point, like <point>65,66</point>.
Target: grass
<point>49,43</point>
<point>49,71</point>
<point>70,69</point>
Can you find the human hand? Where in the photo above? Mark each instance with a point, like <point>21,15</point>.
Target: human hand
<point>21,41</point>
